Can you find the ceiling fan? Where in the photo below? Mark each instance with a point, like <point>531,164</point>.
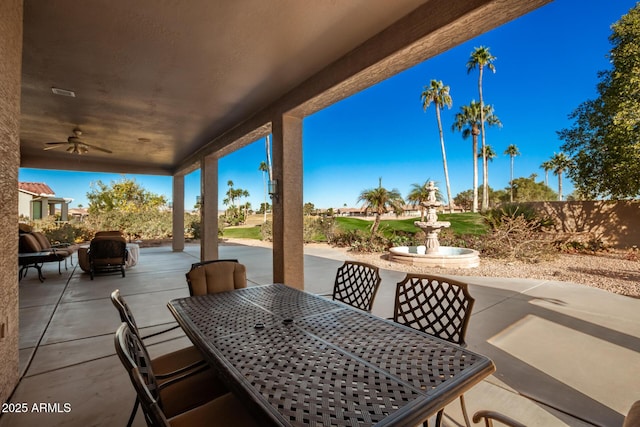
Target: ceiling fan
<point>75,145</point>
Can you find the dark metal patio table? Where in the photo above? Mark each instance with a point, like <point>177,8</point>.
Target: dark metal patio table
<point>298,359</point>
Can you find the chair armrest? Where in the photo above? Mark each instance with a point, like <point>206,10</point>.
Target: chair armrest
<point>488,416</point>
<point>176,376</point>
<point>185,372</point>
<point>159,332</point>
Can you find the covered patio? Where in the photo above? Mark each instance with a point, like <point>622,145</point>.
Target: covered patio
<point>565,354</point>
<point>168,89</point>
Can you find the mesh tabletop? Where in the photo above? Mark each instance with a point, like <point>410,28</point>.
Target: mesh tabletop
<point>303,360</point>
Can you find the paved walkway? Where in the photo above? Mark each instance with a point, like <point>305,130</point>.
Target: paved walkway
<point>565,354</point>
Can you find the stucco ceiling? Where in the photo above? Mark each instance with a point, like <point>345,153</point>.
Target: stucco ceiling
<point>157,80</point>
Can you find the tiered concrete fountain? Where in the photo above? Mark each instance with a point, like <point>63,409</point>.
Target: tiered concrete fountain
<point>432,254</point>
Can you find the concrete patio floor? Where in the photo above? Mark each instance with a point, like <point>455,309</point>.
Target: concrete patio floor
<point>565,354</point>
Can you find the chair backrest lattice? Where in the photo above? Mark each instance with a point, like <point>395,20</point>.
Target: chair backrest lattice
<point>435,305</point>
<point>357,284</point>
<point>133,354</point>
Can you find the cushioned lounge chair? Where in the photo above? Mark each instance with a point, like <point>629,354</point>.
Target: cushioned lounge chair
<point>107,254</point>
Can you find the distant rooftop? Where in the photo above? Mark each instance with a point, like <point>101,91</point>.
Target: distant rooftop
<point>36,188</point>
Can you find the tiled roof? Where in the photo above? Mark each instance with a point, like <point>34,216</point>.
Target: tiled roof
<point>37,188</point>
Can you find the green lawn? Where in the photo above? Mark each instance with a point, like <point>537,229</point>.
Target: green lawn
<point>461,223</point>
<point>242,232</point>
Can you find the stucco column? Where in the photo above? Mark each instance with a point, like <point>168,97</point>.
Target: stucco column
<point>209,208</point>
<point>177,241</point>
<point>10,69</point>
<point>64,211</point>
<point>288,250</point>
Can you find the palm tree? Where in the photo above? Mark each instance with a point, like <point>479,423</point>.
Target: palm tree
<point>468,122</point>
<point>511,151</point>
<point>560,163</point>
<point>381,200</point>
<point>438,94</point>
<point>547,166</point>
<point>481,58</point>
<point>489,154</point>
<point>419,194</point>
<point>264,168</point>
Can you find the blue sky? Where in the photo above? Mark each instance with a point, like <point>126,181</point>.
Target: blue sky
<point>547,64</point>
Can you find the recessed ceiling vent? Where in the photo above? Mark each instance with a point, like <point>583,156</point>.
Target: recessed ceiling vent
<point>63,92</point>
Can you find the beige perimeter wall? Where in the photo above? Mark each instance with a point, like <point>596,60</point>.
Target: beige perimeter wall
<point>616,223</point>
<point>10,66</point>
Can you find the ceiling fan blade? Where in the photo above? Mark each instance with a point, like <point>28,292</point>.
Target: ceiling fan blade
<point>53,145</point>
<point>97,148</point>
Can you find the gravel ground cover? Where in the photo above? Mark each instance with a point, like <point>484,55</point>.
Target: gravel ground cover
<point>613,271</point>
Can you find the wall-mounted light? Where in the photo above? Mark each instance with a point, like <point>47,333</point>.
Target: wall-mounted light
<point>273,188</point>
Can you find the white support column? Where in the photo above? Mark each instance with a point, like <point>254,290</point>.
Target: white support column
<point>178,213</point>
<point>288,249</point>
<point>209,208</point>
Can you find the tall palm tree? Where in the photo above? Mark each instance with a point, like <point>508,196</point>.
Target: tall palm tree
<point>467,121</point>
<point>481,58</point>
<point>380,201</point>
<point>547,166</point>
<point>438,94</point>
<point>512,152</point>
<point>419,194</point>
<point>560,163</point>
<point>487,153</point>
<point>264,168</point>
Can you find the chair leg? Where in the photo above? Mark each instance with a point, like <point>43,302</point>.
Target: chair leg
<point>133,412</point>
<point>463,406</point>
<point>439,417</point>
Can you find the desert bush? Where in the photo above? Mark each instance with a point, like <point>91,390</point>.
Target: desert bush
<point>508,211</point>
<point>266,231</point>
<point>326,226</point>
<point>470,241</point>
<point>360,241</point>
<point>517,238</point>
<point>63,233</point>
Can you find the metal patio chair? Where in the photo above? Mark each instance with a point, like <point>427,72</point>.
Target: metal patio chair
<point>437,306</point>
<point>174,395</point>
<point>356,284</point>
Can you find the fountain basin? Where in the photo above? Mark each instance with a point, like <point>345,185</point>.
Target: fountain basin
<point>446,257</point>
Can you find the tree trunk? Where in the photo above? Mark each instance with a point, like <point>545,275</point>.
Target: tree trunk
<point>485,184</point>
<point>444,160</point>
<point>474,134</point>
<point>376,224</point>
<point>511,182</point>
<point>560,185</point>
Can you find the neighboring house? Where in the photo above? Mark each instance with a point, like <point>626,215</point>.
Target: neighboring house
<point>36,200</point>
